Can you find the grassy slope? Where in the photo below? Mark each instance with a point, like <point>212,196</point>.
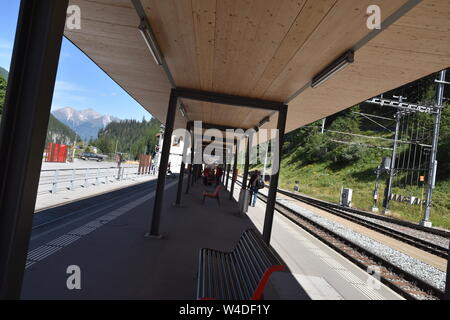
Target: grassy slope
<point>324,181</point>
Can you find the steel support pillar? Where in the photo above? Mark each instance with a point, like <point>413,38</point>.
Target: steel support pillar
<point>434,148</point>
<point>23,131</point>
<point>191,169</point>
<point>234,168</point>
<point>228,176</point>
<point>247,164</point>
<point>183,166</point>
<point>224,154</point>
<point>447,282</point>
<point>195,173</point>
<point>163,164</point>
<point>390,179</point>
<point>270,206</point>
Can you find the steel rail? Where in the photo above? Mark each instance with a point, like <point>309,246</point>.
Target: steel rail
<point>398,235</point>
<point>404,283</point>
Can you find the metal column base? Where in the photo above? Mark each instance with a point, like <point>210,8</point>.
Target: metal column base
<point>151,237</point>
<point>425,223</point>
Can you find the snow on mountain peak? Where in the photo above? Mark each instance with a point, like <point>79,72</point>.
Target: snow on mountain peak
<point>85,122</point>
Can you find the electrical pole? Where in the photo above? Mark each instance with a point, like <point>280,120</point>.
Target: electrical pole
<point>375,191</point>
<point>389,181</point>
<point>433,162</point>
<point>323,125</point>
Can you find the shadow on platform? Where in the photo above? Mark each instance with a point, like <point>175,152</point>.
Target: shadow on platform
<point>117,262</point>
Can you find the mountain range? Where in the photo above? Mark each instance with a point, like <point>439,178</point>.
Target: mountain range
<point>57,132</point>
<point>86,123</point>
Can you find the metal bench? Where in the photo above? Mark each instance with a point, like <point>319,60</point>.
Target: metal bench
<point>241,274</point>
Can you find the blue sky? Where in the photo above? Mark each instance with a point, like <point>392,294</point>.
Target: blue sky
<point>80,83</point>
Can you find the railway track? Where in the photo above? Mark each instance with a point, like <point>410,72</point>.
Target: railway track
<point>356,216</point>
<point>404,283</point>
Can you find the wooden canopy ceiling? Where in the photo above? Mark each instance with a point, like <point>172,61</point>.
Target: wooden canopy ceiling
<point>267,49</point>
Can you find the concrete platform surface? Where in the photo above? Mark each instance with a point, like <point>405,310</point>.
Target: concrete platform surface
<point>106,243</point>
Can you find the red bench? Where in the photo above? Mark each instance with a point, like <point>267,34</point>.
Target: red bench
<point>214,195</point>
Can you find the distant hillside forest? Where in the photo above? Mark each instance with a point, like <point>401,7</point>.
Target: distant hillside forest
<point>130,136</point>
<point>58,132</point>
<point>3,83</point>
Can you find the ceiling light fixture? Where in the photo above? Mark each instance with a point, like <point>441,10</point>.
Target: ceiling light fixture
<point>151,42</point>
<point>183,110</point>
<point>336,66</point>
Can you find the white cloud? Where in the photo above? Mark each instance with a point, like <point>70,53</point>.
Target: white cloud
<point>6,45</point>
<point>67,86</point>
<point>112,94</point>
<point>69,94</point>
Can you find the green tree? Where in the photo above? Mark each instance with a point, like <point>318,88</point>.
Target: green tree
<point>105,145</point>
<point>132,137</point>
<point>3,85</point>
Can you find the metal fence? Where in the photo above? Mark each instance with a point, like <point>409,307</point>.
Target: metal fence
<point>57,180</point>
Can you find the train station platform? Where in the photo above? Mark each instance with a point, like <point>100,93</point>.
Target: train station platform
<point>118,262</point>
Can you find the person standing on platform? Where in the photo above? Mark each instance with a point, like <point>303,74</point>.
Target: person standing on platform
<point>254,185</point>
<point>219,173</point>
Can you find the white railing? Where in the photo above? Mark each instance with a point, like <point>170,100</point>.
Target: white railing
<point>56,180</point>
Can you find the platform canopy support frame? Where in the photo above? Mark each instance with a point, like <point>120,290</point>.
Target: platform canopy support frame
<point>182,93</point>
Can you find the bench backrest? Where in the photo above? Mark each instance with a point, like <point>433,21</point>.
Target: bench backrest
<point>217,190</point>
<point>252,257</point>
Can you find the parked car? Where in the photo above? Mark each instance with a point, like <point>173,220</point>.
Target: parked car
<point>91,156</point>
